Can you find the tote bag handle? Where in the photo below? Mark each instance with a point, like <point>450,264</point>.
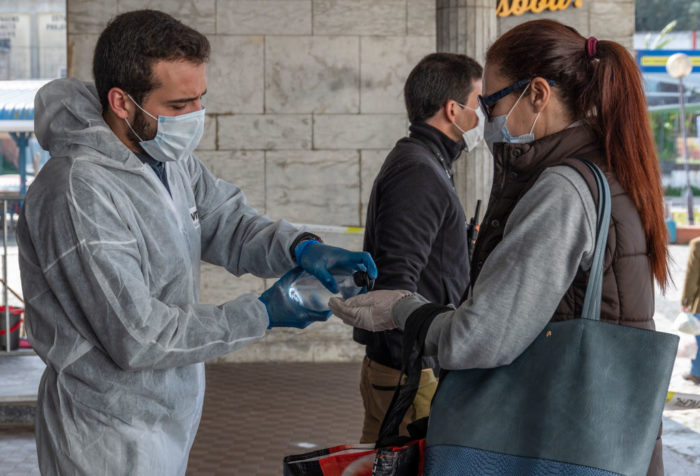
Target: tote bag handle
<point>594,289</point>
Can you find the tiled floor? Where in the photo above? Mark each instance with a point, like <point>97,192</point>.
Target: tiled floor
<point>254,415</point>
<point>18,451</point>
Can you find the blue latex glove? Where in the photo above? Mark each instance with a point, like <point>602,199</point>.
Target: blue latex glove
<point>282,311</point>
<point>320,260</point>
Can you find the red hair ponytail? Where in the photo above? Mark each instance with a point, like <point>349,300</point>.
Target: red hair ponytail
<point>622,121</point>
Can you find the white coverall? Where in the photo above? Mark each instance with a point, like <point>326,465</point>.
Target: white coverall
<point>110,271</point>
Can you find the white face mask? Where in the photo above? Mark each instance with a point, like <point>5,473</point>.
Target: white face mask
<point>176,137</point>
<point>473,136</point>
<point>496,130</point>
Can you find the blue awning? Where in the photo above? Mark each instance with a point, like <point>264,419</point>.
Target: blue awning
<point>17,104</point>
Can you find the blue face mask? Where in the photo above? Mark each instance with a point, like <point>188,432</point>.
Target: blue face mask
<point>496,130</point>
<point>177,136</point>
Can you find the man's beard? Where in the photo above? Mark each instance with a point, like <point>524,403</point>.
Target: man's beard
<point>140,128</point>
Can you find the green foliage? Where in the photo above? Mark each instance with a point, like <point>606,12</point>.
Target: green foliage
<point>678,191</point>
<point>653,15</point>
<point>662,128</point>
<point>662,40</point>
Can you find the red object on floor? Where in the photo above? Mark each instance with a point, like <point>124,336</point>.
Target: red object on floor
<point>24,344</point>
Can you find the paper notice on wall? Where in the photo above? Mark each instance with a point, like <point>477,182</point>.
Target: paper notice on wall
<point>52,45</point>
<point>15,46</point>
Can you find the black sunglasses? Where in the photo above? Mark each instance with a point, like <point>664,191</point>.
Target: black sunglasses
<point>487,103</point>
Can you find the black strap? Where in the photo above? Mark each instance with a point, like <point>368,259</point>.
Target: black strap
<point>436,152</point>
<point>414,335</point>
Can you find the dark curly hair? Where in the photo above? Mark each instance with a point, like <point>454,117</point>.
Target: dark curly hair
<point>133,42</point>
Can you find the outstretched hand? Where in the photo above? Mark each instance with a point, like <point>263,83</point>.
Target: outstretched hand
<point>371,311</point>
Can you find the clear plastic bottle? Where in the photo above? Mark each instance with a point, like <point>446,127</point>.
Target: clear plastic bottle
<point>309,293</point>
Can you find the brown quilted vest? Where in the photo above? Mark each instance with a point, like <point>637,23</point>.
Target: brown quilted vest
<point>628,292</point>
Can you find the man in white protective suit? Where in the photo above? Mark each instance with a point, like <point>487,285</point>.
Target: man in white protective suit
<point>111,236</point>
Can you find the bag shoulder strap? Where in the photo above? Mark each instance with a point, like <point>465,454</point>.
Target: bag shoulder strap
<point>594,288</point>
<point>413,339</point>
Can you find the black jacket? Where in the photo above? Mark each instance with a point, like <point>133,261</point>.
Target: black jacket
<point>416,230</point>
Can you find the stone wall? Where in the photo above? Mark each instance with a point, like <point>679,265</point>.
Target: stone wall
<point>305,101</point>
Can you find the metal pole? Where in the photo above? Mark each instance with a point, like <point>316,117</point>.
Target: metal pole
<point>688,190</point>
<point>4,275</point>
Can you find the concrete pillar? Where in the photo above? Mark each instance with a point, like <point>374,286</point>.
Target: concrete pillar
<point>469,27</point>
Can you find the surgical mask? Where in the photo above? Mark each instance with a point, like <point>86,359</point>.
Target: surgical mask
<point>176,136</point>
<point>496,130</point>
<point>473,136</point>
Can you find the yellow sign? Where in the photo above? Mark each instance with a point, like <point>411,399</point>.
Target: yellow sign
<point>518,7</point>
<point>661,60</point>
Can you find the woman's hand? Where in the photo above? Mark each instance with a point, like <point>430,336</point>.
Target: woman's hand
<point>371,311</point>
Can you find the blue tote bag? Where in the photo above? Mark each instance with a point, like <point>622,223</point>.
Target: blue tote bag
<point>585,398</point>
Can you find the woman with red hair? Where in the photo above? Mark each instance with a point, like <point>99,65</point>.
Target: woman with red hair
<point>551,97</point>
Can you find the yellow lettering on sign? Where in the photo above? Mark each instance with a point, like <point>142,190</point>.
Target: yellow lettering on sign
<point>518,7</point>
<point>538,6</point>
<point>661,60</point>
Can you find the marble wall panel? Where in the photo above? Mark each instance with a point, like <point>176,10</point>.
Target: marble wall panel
<point>359,17</point>
<point>349,241</point>
<point>89,16</point>
<point>198,14</point>
<point>370,163</point>
<point>81,49</point>
<point>219,286</point>
<point>612,20</point>
<point>479,32</point>
<point>358,131</point>
<point>235,75</point>
<point>265,132</point>
<point>307,74</point>
<point>420,18</point>
<point>385,65</point>
<point>246,170</point>
<point>316,187</point>
<point>329,341</point>
<point>264,17</point>
<point>208,141</point>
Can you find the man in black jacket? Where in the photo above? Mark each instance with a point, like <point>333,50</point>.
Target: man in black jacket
<point>416,228</point>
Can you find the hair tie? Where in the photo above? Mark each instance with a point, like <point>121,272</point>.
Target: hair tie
<point>591,47</point>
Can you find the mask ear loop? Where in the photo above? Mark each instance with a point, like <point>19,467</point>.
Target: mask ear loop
<point>533,124</point>
<point>516,103</point>
<point>139,106</point>
<point>148,113</point>
<point>464,106</point>
<point>132,129</point>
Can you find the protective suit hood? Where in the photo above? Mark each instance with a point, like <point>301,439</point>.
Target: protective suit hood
<point>68,119</point>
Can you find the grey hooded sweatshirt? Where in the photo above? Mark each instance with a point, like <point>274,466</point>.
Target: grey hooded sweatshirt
<point>110,273</point>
